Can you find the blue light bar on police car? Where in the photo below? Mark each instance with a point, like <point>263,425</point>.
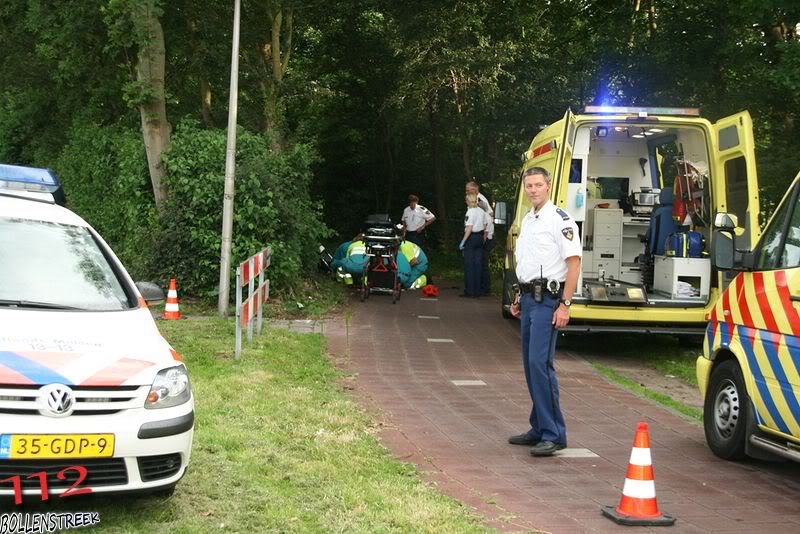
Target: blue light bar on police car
<point>16,177</point>
<point>642,112</point>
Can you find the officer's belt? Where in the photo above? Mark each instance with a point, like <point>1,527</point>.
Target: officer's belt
<point>544,283</point>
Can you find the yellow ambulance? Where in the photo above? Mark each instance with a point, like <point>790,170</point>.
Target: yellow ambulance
<point>613,171</point>
<point>749,374</point>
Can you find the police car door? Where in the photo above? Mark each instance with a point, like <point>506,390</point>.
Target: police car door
<point>768,306</point>
<point>735,163</point>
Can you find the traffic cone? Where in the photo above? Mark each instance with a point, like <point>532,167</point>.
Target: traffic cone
<point>171,310</point>
<point>638,506</point>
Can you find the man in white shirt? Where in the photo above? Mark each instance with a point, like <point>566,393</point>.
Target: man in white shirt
<point>416,218</point>
<point>483,203</point>
<point>548,261</point>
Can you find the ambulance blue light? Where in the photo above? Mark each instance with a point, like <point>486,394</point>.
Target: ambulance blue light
<point>31,179</point>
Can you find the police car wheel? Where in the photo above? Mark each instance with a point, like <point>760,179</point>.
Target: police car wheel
<point>725,411</point>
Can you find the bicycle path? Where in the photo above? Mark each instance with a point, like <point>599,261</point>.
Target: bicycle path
<point>445,376</point>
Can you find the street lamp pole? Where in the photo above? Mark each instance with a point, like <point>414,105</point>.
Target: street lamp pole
<point>230,168</point>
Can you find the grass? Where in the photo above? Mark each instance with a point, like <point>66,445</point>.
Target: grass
<point>314,297</point>
<point>278,447</point>
<point>660,398</point>
<point>663,353</point>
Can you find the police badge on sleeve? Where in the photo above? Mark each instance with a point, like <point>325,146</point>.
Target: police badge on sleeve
<point>568,233</point>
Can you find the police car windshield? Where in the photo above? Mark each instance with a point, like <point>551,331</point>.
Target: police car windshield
<point>55,265</point>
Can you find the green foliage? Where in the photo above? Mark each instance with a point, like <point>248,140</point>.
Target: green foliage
<point>272,206</point>
<point>104,172</point>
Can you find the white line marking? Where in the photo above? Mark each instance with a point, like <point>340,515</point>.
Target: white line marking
<point>575,453</point>
<point>468,382</point>
<point>427,316</point>
<point>439,340</point>
<point>429,299</point>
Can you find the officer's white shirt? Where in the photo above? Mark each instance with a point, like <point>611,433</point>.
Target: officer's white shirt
<point>415,219</point>
<point>476,218</point>
<point>483,203</point>
<point>545,240</point>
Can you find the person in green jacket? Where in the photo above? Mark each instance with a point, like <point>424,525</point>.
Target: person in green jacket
<point>412,263</point>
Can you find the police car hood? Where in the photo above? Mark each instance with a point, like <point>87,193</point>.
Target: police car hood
<point>81,348</point>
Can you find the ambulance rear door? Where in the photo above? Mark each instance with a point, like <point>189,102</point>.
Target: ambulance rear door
<point>735,162</point>
<point>545,151</point>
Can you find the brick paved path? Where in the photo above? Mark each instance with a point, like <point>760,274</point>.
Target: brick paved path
<point>407,360</point>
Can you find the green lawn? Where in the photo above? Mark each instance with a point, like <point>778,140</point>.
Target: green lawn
<point>278,447</point>
<point>660,352</point>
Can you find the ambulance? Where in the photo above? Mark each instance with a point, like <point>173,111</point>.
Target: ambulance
<point>636,181</point>
<point>749,373</point>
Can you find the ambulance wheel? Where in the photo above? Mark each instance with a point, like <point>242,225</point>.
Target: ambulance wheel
<point>725,411</point>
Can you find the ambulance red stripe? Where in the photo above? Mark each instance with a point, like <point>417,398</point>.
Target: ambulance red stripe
<point>763,302</point>
<point>786,302</point>
<point>744,306</point>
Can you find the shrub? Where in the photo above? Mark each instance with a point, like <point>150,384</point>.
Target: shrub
<point>105,176</point>
<point>272,206</point>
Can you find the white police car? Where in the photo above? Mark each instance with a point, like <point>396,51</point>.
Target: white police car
<point>91,394</point>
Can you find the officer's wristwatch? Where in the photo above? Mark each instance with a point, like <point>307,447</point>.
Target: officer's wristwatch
<point>566,302</point>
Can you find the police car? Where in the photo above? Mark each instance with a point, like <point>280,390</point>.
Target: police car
<point>91,394</point>
<point>749,373</point>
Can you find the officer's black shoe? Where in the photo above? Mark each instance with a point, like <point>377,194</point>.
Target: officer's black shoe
<point>546,448</point>
<point>523,439</point>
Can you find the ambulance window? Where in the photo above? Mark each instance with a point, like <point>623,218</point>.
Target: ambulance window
<point>736,188</point>
<point>770,256</point>
<point>791,249</point>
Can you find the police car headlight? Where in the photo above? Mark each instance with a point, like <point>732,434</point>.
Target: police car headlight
<point>170,388</point>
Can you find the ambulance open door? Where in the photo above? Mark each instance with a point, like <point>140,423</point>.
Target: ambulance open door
<point>735,163</point>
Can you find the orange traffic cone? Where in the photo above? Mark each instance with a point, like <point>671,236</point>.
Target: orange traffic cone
<point>638,506</point>
<point>171,310</point>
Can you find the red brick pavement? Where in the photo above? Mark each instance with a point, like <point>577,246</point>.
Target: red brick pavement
<point>456,435</point>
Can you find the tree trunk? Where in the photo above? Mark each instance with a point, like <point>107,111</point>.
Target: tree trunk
<point>466,154</point>
<point>388,154</point>
<point>439,176</point>
<point>205,97</point>
<point>150,71</point>
<point>277,55</point>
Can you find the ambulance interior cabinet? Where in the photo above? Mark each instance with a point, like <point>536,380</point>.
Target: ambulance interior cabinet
<point>668,271</point>
<point>606,242</point>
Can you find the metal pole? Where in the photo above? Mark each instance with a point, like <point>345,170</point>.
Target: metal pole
<point>230,167</point>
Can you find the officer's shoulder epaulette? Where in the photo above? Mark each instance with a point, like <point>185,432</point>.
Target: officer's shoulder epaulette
<point>564,214</point>
<point>423,208</point>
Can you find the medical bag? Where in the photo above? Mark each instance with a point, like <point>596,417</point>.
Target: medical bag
<point>685,245</point>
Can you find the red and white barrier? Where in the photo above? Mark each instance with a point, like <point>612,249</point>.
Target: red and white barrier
<point>251,308</point>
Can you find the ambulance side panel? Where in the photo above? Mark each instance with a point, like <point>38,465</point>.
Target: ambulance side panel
<point>757,320</point>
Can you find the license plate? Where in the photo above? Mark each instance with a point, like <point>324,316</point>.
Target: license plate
<point>17,446</point>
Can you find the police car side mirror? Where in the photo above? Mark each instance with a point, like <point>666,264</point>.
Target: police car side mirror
<point>500,213</point>
<point>150,292</point>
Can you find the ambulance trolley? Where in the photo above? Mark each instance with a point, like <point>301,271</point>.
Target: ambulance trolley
<point>749,374</point>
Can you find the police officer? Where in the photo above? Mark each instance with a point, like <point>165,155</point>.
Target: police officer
<point>416,218</point>
<point>483,203</point>
<point>548,257</point>
<point>472,245</point>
